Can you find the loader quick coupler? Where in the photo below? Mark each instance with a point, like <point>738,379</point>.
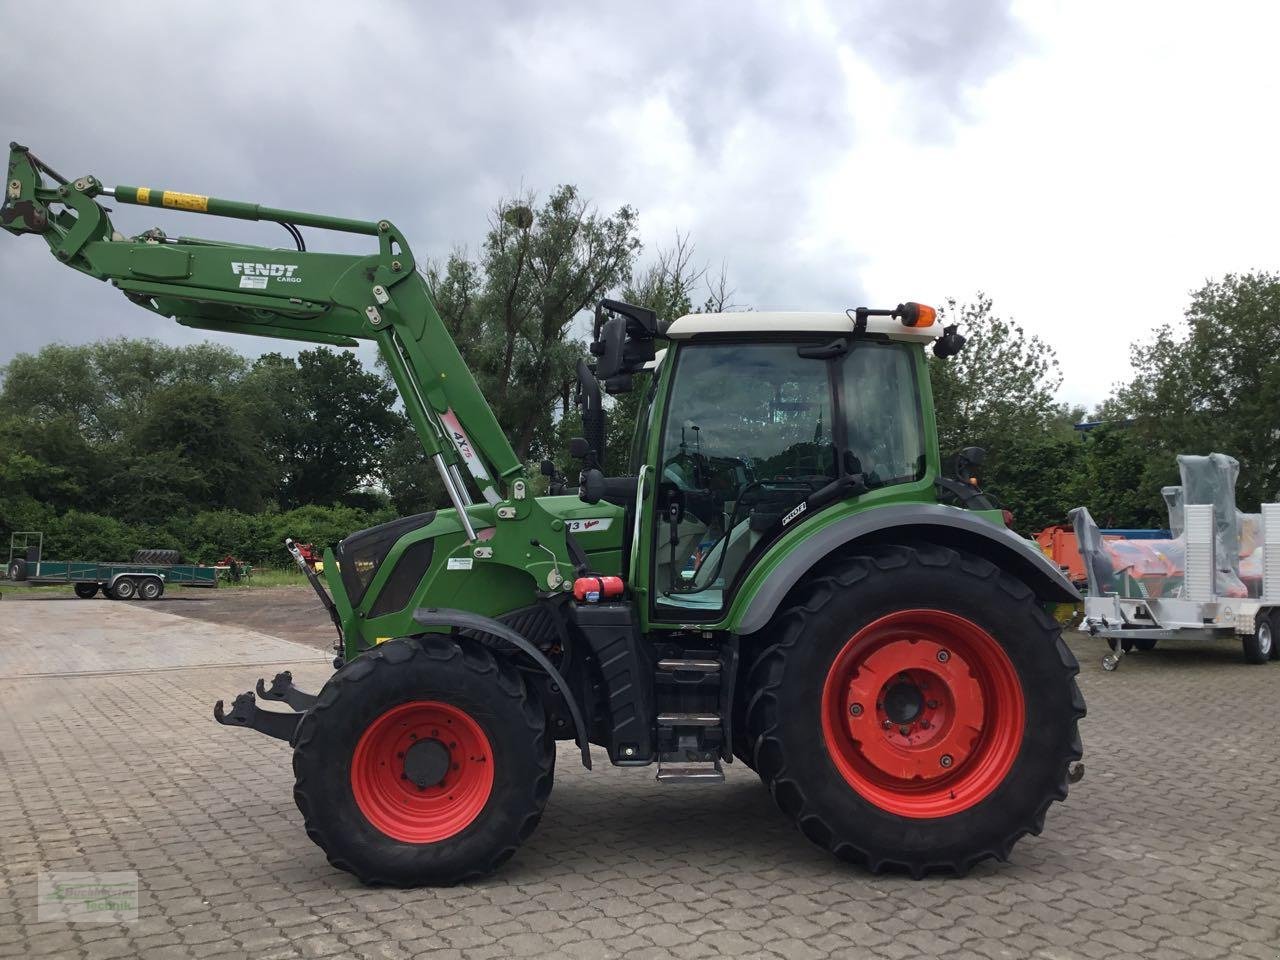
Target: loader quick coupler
<point>282,688</point>
<point>274,723</point>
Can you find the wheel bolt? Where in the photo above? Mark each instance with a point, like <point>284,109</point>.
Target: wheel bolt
<point>943,656</point>
<point>855,709</point>
<point>932,704</point>
<point>946,760</point>
<point>924,724</point>
<point>904,730</point>
<point>887,724</point>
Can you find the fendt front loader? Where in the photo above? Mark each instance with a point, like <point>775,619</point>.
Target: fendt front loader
<point>784,577</point>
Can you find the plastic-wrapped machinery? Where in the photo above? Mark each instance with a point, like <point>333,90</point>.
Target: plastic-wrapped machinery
<point>1212,479</point>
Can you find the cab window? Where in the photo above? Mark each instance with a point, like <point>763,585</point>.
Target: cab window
<point>751,431</point>
<point>747,438</point>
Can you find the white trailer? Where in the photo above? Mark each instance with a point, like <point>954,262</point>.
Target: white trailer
<point>1194,609</point>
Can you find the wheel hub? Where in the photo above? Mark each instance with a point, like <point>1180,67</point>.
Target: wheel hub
<point>426,763</point>
<point>922,712</point>
<point>903,702</point>
<point>928,707</point>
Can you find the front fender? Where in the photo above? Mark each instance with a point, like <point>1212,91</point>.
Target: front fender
<point>465,620</point>
<point>931,522</point>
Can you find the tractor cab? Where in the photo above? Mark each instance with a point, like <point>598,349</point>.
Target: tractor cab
<point>754,422</point>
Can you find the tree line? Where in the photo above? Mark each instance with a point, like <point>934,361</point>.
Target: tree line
<point>128,443</point>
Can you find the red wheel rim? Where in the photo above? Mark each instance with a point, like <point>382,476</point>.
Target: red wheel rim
<point>922,713</point>
<point>397,759</point>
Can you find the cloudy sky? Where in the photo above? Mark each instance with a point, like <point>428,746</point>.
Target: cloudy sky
<point>1086,164</point>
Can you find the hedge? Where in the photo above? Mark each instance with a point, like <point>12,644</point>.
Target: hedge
<point>201,538</point>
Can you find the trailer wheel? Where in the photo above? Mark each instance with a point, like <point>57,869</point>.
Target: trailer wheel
<point>925,735</point>
<point>423,762</point>
<point>1274,617</point>
<point>18,570</point>
<point>150,588</point>
<point>86,591</point>
<point>124,589</point>
<point>1260,647</point>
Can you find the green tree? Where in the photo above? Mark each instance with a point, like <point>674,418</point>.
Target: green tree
<point>193,448</point>
<point>105,387</point>
<point>1212,384</point>
<point>326,422</point>
<point>512,311</point>
<point>998,394</point>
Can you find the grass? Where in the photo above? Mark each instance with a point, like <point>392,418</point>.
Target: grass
<point>268,577</point>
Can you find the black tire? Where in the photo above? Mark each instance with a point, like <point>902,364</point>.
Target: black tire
<point>785,715</point>
<point>124,589</point>
<point>1260,646</point>
<point>86,591</point>
<point>467,677</point>
<point>18,570</point>
<point>1275,634</point>
<point>150,588</point>
<point>158,557</point>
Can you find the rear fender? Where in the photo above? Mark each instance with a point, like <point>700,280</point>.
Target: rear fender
<point>931,523</point>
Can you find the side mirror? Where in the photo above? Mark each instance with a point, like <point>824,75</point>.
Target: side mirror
<point>969,465</point>
<point>591,486</point>
<point>579,449</point>
<point>548,469</point>
<point>609,348</point>
<point>949,344</point>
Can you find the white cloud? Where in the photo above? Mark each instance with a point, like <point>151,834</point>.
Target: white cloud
<point>1087,164</point>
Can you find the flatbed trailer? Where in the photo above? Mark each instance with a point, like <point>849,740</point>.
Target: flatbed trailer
<point>116,581</point>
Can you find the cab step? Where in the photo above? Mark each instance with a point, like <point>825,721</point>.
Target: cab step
<point>688,720</point>
<point>691,666</point>
<point>692,773</point>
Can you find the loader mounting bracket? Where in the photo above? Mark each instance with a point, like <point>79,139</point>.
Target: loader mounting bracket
<point>245,713</point>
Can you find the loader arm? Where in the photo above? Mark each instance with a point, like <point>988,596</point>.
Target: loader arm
<point>314,297</point>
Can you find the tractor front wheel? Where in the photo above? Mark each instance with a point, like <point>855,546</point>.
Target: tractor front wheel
<point>918,710</point>
<point>422,762</point>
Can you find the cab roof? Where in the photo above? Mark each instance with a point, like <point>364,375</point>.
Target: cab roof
<point>751,324</point>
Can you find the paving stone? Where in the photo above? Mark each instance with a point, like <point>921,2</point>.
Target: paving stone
<point>1159,853</point>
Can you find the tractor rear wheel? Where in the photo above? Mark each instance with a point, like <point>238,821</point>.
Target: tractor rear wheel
<point>422,762</point>
<point>918,711</point>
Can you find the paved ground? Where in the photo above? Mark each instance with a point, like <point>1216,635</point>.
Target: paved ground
<point>1169,848</point>
<point>291,612</point>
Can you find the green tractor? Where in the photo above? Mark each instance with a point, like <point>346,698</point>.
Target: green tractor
<point>784,577</point>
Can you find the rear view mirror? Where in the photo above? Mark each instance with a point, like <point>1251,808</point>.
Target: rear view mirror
<point>610,347</point>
